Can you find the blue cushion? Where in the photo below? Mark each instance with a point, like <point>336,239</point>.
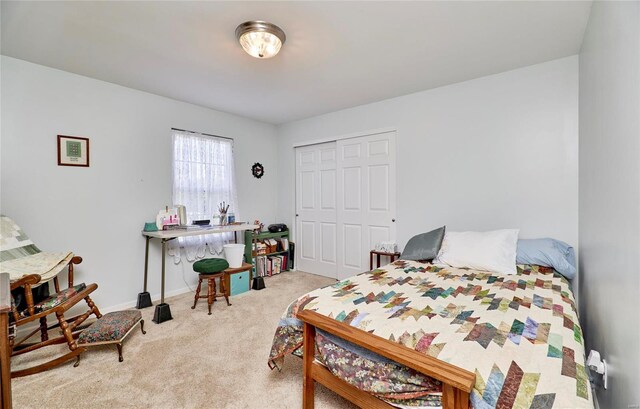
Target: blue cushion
<point>549,253</point>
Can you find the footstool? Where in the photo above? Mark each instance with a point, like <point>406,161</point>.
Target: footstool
<point>112,328</point>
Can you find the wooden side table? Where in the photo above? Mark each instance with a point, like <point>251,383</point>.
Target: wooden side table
<point>392,256</point>
<point>227,276</point>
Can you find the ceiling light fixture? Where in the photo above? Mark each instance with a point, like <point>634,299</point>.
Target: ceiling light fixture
<point>260,39</point>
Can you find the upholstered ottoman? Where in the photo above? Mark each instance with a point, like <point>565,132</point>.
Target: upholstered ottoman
<point>112,328</point>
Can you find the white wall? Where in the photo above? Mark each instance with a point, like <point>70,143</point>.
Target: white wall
<point>98,212</point>
<point>494,152</point>
<point>610,195</point>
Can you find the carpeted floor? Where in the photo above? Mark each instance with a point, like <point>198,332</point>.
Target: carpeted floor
<point>194,361</point>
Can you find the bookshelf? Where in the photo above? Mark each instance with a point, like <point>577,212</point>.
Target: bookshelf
<point>250,237</point>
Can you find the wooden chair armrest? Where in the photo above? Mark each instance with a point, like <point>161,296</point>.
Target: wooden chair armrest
<point>74,260</point>
<point>27,282</point>
<point>30,280</point>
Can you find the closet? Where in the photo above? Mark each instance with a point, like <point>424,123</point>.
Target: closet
<point>345,202</point>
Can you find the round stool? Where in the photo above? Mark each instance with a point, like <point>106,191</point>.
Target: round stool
<point>210,269</point>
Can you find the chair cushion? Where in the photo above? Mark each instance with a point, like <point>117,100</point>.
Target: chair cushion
<point>55,299</point>
<point>210,265</point>
<point>111,327</point>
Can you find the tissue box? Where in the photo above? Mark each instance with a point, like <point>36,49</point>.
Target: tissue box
<point>387,246</point>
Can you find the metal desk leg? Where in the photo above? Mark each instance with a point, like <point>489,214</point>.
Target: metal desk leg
<point>254,247</point>
<point>144,298</point>
<point>163,311</point>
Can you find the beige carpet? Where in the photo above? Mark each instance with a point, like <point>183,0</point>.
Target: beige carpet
<point>194,361</point>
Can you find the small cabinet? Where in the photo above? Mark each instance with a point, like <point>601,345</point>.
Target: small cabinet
<point>238,283</point>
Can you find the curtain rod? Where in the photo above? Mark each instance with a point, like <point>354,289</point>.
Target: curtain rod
<point>201,133</point>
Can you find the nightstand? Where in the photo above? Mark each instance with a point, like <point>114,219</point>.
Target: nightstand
<point>392,256</point>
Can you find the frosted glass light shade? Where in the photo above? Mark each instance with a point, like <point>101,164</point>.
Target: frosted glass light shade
<point>260,39</point>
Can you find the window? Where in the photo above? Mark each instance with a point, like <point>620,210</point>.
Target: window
<point>203,177</point>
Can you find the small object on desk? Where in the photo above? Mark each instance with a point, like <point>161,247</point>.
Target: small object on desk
<point>167,217</point>
<point>204,222</point>
<point>150,226</point>
<point>231,218</point>
<point>182,214</point>
<point>392,256</point>
<point>223,208</point>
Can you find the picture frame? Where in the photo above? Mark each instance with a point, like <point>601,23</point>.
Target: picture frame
<point>73,151</point>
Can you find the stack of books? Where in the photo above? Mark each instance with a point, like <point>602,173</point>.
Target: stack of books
<point>267,266</point>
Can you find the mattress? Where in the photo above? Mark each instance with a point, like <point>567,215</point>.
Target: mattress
<point>519,334</point>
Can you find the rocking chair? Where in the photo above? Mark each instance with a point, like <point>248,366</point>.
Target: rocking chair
<point>18,255</point>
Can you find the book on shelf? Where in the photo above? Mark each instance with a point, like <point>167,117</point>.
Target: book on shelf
<point>274,261</point>
<point>267,266</point>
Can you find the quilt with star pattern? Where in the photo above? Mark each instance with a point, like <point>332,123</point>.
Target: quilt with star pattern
<point>519,334</point>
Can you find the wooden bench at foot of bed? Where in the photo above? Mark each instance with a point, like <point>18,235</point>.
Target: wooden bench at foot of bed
<point>457,382</point>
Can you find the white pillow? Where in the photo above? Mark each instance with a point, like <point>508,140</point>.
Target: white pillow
<point>493,251</point>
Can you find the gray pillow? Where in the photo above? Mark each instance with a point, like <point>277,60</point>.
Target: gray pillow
<point>424,246</point>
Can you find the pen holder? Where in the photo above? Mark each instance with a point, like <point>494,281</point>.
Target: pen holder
<point>223,219</point>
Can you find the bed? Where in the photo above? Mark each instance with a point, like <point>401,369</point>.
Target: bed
<point>413,334</point>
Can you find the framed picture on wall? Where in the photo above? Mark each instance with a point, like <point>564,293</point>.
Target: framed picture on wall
<point>73,151</point>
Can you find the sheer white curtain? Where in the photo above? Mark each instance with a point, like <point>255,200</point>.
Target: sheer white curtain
<point>203,177</point>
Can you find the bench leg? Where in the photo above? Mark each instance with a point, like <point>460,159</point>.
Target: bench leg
<point>120,358</point>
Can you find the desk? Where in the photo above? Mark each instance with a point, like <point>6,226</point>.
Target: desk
<point>163,312</point>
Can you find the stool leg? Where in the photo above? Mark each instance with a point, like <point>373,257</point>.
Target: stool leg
<point>195,301</point>
<point>223,288</point>
<point>212,291</point>
<point>142,327</point>
<point>120,358</point>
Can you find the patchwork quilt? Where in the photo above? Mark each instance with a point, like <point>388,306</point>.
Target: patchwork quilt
<point>519,334</point>
<point>19,256</point>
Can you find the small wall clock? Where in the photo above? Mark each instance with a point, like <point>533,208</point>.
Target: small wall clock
<point>257,170</point>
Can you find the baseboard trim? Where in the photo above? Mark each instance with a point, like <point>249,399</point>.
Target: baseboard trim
<point>119,307</point>
<point>154,297</point>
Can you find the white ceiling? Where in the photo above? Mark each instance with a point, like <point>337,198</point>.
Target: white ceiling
<point>337,54</point>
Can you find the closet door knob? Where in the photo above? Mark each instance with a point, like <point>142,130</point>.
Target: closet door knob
<point>393,220</point>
